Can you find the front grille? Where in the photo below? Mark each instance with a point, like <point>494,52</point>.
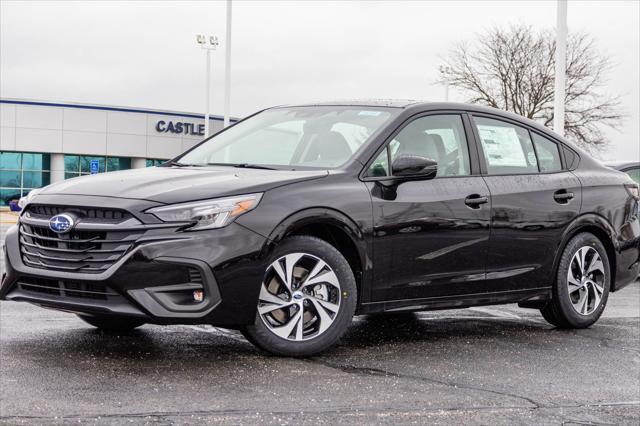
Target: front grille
<point>43,211</point>
<point>63,288</point>
<point>80,250</point>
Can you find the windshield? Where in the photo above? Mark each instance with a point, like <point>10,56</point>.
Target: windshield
<point>317,137</point>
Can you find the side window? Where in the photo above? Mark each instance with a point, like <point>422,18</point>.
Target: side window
<point>437,137</point>
<point>507,148</point>
<point>548,154</point>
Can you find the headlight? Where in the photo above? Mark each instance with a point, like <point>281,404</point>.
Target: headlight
<point>208,214</point>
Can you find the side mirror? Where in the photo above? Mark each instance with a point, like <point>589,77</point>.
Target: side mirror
<point>414,167</point>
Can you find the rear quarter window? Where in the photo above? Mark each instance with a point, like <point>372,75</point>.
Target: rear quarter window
<point>548,154</point>
<point>571,159</point>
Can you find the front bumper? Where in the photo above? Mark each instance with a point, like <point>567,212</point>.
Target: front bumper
<point>153,280</point>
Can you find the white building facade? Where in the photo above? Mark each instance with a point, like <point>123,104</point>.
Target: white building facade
<point>45,142</point>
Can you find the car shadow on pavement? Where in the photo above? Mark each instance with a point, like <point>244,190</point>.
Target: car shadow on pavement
<point>144,344</point>
<point>376,330</point>
<point>157,343</point>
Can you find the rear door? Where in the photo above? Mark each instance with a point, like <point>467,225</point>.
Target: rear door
<point>430,236</point>
<point>534,197</point>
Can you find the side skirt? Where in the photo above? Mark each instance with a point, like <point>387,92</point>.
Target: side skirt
<point>529,298</point>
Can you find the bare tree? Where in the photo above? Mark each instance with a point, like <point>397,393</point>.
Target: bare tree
<point>513,69</point>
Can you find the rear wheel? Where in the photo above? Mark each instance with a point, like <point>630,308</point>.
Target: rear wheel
<point>582,285</point>
<point>112,324</point>
<point>307,299</point>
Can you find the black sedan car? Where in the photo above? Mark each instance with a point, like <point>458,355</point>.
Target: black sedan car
<point>290,222</point>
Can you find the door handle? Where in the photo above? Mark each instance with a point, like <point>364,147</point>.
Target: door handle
<point>563,196</point>
<point>475,201</point>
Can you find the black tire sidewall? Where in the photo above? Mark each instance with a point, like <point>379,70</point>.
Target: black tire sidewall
<point>260,335</point>
<point>561,294</point>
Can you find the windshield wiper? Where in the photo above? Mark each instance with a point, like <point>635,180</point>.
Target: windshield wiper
<point>242,166</point>
<point>178,164</point>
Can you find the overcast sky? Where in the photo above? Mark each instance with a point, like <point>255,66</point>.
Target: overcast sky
<point>144,54</point>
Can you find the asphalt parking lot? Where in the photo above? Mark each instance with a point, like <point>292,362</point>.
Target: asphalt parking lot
<point>490,365</point>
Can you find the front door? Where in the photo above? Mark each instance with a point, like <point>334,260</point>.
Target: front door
<point>430,236</point>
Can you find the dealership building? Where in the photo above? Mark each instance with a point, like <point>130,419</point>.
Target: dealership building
<point>46,142</point>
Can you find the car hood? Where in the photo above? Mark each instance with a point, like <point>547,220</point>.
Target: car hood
<point>179,184</point>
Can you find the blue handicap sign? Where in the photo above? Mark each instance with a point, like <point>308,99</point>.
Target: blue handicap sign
<point>95,166</point>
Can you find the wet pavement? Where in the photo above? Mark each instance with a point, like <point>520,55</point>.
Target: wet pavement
<point>6,220</point>
<point>490,365</point>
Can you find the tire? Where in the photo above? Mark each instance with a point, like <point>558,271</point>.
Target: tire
<point>579,302</point>
<point>307,299</point>
<point>112,324</point>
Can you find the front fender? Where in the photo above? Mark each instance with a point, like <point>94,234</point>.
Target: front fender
<point>339,222</point>
<point>318,215</point>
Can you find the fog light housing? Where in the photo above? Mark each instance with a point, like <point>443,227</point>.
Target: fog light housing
<point>198,296</point>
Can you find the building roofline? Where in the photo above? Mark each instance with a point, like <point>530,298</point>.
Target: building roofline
<point>110,108</point>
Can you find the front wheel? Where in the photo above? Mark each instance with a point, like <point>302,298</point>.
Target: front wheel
<point>112,324</point>
<point>307,299</point>
<point>582,285</point>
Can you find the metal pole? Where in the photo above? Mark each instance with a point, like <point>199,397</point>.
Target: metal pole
<point>208,95</point>
<point>560,67</point>
<point>227,68</point>
<point>444,71</point>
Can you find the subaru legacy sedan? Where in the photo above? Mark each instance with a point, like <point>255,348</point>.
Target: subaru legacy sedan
<point>290,222</point>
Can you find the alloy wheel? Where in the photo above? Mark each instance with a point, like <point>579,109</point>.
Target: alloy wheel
<point>299,297</point>
<point>586,280</point>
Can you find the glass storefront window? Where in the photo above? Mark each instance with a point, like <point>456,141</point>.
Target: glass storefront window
<point>32,161</point>
<point>10,178</point>
<point>20,172</point>
<point>80,165</point>
<point>72,162</point>
<point>118,163</point>
<point>9,194</point>
<point>10,160</point>
<point>35,179</point>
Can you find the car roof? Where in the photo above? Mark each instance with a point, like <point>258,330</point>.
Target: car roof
<point>409,103</point>
<point>418,106</point>
<point>386,103</point>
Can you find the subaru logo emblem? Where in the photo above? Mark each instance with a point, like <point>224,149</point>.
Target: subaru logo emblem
<point>61,223</point>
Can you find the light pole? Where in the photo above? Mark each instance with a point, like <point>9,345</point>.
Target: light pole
<point>444,70</point>
<point>207,43</point>
<point>227,68</point>
<point>561,64</point>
